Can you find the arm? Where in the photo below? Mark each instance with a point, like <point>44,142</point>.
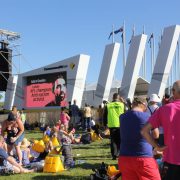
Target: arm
<point>12,161</point>
<point>20,126</point>
<point>68,117</point>
<point>21,130</point>
<point>146,133</point>
<point>4,126</point>
<point>105,114</point>
<point>155,133</point>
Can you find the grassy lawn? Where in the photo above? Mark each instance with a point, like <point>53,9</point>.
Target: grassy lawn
<point>93,155</point>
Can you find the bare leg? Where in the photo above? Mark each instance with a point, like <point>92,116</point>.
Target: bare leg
<point>19,152</point>
<point>9,148</point>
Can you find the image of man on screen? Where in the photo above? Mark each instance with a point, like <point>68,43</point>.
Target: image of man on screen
<point>59,91</point>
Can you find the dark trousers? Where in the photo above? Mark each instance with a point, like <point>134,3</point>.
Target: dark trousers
<point>115,141</point>
<point>67,153</point>
<point>172,172</point>
<point>87,122</point>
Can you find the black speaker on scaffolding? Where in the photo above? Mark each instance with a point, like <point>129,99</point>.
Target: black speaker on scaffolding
<point>5,65</point>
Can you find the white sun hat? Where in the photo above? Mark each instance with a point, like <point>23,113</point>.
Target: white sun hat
<point>154,98</point>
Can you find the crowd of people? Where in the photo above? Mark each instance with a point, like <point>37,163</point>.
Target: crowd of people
<point>140,132</point>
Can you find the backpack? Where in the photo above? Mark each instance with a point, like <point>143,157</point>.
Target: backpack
<point>151,111</point>
<point>86,138</point>
<point>100,173</point>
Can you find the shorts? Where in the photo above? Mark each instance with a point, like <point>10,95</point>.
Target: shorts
<point>21,137</point>
<point>135,168</point>
<point>8,140</point>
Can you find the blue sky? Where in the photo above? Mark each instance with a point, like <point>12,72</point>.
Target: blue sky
<point>58,29</point>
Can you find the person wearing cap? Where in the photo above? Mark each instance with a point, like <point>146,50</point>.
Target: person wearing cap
<point>168,116</point>
<point>136,157</point>
<point>153,103</point>
<point>15,133</point>
<point>152,107</point>
<point>111,115</point>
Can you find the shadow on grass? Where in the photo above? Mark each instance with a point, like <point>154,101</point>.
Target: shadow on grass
<point>95,157</point>
<point>91,146</point>
<point>33,131</point>
<point>58,177</point>
<point>93,166</point>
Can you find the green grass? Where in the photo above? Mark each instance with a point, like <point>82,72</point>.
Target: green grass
<point>93,154</point>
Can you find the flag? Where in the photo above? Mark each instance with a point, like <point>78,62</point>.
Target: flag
<point>149,41</point>
<point>133,32</point>
<point>116,32</point>
<point>122,38</point>
<point>150,38</point>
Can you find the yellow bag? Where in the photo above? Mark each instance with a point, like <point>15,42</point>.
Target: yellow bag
<point>94,136</point>
<point>55,142</point>
<point>53,164</point>
<point>112,171</point>
<point>38,146</point>
<point>46,138</point>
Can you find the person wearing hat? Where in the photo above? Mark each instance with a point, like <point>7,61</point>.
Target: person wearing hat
<point>152,107</point>
<point>25,151</point>
<point>15,133</point>
<point>136,157</point>
<point>153,103</point>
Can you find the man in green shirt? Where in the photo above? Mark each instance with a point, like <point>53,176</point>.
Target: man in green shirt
<point>112,112</point>
<point>23,116</point>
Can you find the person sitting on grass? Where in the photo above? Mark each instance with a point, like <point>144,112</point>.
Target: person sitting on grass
<point>96,128</point>
<point>65,140</point>
<point>25,152</point>
<point>47,131</point>
<point>16,167</point>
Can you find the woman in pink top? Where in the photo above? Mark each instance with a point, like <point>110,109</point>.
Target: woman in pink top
<point>64,118</point>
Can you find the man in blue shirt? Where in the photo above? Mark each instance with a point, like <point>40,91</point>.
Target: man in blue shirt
<point>74,114</point>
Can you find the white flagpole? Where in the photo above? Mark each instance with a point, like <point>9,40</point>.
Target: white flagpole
<point>153,51</point>
<point>124,46</point>
<point>175,66</point>
<point>113,33</point>
<point>144,57</point>
<point>172,69</point>
<point>151,57</point>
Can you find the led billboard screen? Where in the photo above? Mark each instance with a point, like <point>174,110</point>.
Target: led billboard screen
<point>46,90</point>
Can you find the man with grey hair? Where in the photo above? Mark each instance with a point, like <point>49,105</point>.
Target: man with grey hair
<point>168,116</point>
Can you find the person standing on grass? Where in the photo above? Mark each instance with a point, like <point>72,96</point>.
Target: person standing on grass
<point>168,116</point>
<point>64,118</point>
<point>112,112</point>
<point>87,116</point>
<point>74,109</point>
<point>23,116</point>
<point>15,133</point>
<point>136,157</point>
